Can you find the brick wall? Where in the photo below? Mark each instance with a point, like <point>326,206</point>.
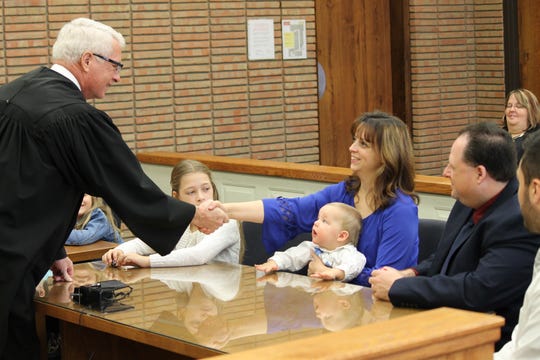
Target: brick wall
<point>188,85</point>
<point>457,73</point>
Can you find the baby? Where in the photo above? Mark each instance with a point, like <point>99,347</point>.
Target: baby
<point>334,237</point>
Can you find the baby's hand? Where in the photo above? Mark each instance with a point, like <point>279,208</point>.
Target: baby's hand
<point>316,265</point>
<point>322,276</point>
<point>267,267</point>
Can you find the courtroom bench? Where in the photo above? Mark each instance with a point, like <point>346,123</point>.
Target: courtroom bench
<point>240,179</point>
<point>94,251</point>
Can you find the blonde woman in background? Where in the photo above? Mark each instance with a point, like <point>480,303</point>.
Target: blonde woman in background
<point>521,116</point>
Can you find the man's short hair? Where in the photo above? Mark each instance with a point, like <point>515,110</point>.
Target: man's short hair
<point>530,161</point>
<point>492,147</point>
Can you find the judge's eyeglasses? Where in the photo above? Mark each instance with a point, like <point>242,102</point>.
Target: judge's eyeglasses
<point>117,65</point>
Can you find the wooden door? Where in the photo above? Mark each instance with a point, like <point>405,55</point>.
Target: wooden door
<point>354,50</point>
<point>529,45</point>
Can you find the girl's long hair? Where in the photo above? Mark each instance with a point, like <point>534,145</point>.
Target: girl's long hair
<point>97,202</point>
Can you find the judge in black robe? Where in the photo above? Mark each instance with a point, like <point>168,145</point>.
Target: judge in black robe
<point>54,147</point>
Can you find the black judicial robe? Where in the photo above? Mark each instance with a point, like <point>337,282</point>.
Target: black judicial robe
<point>54,147</point>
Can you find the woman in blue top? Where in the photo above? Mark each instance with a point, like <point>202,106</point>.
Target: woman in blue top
<point>381,187</point>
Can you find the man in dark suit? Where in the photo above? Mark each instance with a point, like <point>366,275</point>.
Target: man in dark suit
<point>485,257</point>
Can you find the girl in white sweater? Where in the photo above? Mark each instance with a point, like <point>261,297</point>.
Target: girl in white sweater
<point>191,181</point>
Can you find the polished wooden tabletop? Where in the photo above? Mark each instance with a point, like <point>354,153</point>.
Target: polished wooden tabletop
<point>221,307</point>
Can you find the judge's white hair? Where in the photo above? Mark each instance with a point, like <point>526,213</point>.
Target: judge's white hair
<point>82,34</point>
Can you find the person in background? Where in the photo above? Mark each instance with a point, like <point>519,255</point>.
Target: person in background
<point>525,342</point>
<point>521,116</point>
<point>95,222</point>
<point>191,181</point>
<point>484,259</point>
<point>334,238</point>
<point>381,188</point>
<point>54,147</point>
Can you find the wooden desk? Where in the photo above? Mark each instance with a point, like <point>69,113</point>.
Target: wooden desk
<point>89,252</point>
<point>216,309</point>
<point>442,333</point>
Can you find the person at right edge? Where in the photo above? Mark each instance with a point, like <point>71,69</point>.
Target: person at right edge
<point>54,147</point>
<point>484,259</point>
<point>525,342</point>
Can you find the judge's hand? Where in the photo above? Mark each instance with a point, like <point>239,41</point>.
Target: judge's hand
<point>62,269</point>
<point>382,280</point>
<point>208,217</point>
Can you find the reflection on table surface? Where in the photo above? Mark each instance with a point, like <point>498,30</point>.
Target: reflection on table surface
<point>226,307</point>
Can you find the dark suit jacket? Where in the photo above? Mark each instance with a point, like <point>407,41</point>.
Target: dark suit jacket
<point>488,272</point>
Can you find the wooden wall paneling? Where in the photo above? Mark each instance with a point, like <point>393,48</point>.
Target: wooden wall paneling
<point>355,53</point>
<point>401,77</point>
<point>529,45</point>
<point>512,78</point>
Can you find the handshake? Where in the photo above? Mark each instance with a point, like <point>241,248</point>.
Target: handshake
<point>209,216</point>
